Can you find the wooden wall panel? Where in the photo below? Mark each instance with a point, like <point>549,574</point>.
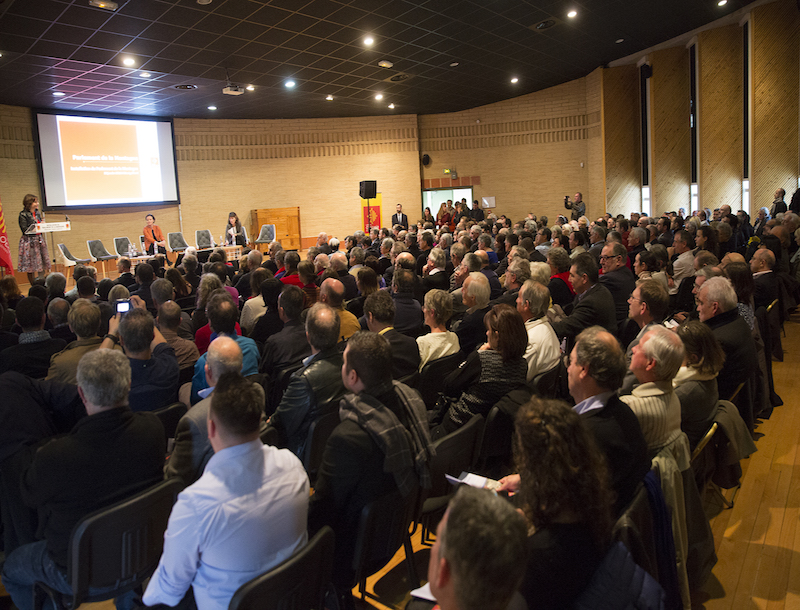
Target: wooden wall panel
<point>720,120</point>
<point>776,28</point>
<point>595,173</point>
<point>669,99</point>
<point>621,139</point>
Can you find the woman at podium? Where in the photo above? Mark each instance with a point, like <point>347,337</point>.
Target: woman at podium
<point>234,234</point>
<point>33,256</point>
<point>153,237</point>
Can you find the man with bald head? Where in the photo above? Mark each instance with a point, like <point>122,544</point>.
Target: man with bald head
<point>192,447</point>
<point>764,278</point>
<point>778,204</point>
<point>332,293</point>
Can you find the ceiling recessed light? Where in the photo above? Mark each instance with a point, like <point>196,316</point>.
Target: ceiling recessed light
<point>104,4</point>
<point>453,64</point>
<point>572,14</point>
<point>145,75</point>
<point>722,2</point>
<point>385,64</point>
<point>391,106</point>
<point>368,41</point>
<point>250,88</point>
<point>129,61</point>
<point>329,98</point>
<point>619,40</point>
<point>212,107</point>
<point>289,84</point>
<point>185,87</point>
<point>203,2</point>
<point>515,80</point>
<point>58,94</point>
<point>379,96</point>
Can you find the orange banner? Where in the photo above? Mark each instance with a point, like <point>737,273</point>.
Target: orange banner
<point>5,248</point>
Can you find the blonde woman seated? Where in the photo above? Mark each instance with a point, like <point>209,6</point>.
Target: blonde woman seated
<point>440,342</point>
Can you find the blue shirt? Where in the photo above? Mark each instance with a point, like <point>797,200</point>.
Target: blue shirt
<point>245,515</point>
<point>598,401</point>
<point>250,358</point>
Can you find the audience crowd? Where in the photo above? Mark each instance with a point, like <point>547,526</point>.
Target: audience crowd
<point>640,325</point>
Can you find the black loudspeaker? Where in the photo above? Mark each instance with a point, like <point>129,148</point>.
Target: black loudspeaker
<point>426,159</point>
<point>368,189</point>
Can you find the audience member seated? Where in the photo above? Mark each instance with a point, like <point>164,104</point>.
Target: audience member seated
<point>593,304</point>
<point>243,285</point>
<point>647,307</point>
<point>434,275</point>
<point>566,496</point>
<point>109,455</point>
<point>145,275</point>
<point>315,389</point>
<point>84,321</point>
<point>379,313</point>
<point>78,271</point>
<point>31,356</point>
<point>495,288</point>
<point>269,322</point>
<point>244,516</point>
<point>408,311</point>
<point>289,345</point>
<point>58,314</point>
<point>308,283</point>
<point>518,272</point>
<point>696,381</point>
<point>189,264</point>
<point>655,362</point>
<point>439,342</point>
<point>559,284</point>
<point>367,283</point>
<point>183,289</point>
<point>543,350</point>
<point>192,448</point>
<point>222,316</point>
<point>291,260</point>
<point>478,559</point>
<point>381,445</point>
<point>168,320</point>
<point>765,279</point>
<point>154,368</point>
<point>717,307</point>
<point>475,296</point>
<point>56,284</point>
<point>596,369</point>
<point>161,291</point>
<point>489,373</point>
<point>254,307</point>
<point>331,293</point>
<point>619,280</point>
<point>339,265</point>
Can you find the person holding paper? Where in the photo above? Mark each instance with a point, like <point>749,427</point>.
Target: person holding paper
<point>234,233</point>
<point>153,236</point>
<point>33,256</point>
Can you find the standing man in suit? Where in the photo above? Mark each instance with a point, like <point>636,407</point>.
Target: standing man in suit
<point>778,205</point>
<point>398,218</point>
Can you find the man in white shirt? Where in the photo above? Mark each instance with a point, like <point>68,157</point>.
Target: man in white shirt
<point>683,266</point>
<point>244,516</point>
<point>543,348</point>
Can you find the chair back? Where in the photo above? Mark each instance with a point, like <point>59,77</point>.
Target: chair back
<point>455,453</point>
<point>432,374</point>
<point>382,529</point>
<point>266,235</point>
<point>278,382</point>
<point>318,433</point>
<point>187,304</point>
<point>170,416</point>
<point>299,583</point>
<point>203,239</point>
<point>122,542</point>
<point>122,245</point>
<point>96,250</point>
<point>69,260</point>
<point>546,384</point>
<point>499,428</point>
<point>176,242</point>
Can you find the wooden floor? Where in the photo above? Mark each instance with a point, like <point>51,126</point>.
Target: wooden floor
<point>757,541</point>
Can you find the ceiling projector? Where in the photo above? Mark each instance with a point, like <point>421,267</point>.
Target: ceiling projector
<point>233,90</point>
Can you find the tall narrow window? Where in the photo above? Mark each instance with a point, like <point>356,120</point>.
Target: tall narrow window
<point>645,72</point>
<point>746,122</point>
<point>693,125</point>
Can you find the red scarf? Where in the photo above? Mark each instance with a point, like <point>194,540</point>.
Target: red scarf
<point>564,275</point>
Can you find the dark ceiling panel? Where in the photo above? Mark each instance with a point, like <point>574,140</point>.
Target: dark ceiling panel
<point>319,43</point>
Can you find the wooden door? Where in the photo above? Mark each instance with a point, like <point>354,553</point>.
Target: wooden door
<point>287,225</point>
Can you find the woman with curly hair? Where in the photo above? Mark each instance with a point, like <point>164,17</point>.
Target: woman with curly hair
<point>564,487</point>
<point>208,284</point>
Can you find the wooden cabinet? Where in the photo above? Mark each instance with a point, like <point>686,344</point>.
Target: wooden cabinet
<point>287,226</point>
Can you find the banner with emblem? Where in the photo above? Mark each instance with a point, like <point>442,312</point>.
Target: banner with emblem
<point>5,248</point>
<point>371,214</point>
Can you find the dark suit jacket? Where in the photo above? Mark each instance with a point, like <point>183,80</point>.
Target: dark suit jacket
<point>400,219</point>
<point>471,331</point>
<point>766,289</point>
<point>632,254</point>
<point>619,436</point>
<point>560,292</point>
<point>285,347</point>
<point>494,283</point>
<point>735,338</point>
<point>126,279</point>
<point>620,284</point>
<point>31,359</point>
<point>596,307</point>
<point>407,315</point>
<point>405,353</point>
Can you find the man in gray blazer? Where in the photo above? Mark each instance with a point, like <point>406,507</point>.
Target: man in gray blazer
<point>192,447</point>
